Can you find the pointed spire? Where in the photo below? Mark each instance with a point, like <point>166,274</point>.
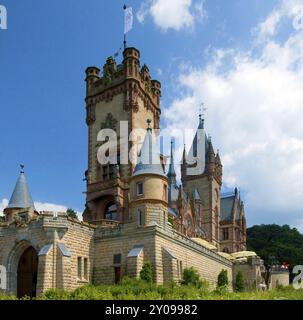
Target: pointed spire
<point>184,155</point>
<point>171,175</point>
<point>21,197</point>
<point>149,160</point>
<point>218,158</point>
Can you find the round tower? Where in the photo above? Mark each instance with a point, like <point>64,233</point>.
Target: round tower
<point>149,186</point>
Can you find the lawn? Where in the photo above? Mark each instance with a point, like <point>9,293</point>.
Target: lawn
<point>132,289</point>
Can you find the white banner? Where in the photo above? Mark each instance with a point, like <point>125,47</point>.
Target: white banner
<point>128,19</point>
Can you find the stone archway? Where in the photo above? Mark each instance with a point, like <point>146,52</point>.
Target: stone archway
<point>13,264</point>
<point>27,273</point>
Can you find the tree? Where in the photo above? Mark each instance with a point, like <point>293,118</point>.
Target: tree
<point>71,213</point>
<point>276,244</point>
<point>239,285</point>
<point>146,272</point>
<point>222,280</point>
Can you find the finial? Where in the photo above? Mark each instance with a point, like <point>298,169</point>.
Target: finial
<point>125,7</point>
<point>148,123</point>
<point>21,168</point>
<point>202,114</point>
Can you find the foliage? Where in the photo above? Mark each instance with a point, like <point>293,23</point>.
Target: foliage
<point>71,213</point>
<point>239,284</point>
<point>222,283</point>
<point>136,289</point>
<point>276,244</point>
<point>146,273</point>
<point>191,277</point>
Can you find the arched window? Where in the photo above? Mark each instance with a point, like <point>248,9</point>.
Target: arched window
<point>111,212</point>
<point>226,250</point>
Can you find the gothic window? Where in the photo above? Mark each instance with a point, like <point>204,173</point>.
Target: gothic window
<point>111,212</point>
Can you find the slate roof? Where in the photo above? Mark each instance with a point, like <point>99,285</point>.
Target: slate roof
<point>227,207</point>
<point>149,160</point>
<point>21,197</point>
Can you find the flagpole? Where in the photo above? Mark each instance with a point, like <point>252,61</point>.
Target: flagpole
<point>124,42</point>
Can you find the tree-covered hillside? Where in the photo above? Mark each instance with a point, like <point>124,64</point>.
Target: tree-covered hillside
<point>276,244</point>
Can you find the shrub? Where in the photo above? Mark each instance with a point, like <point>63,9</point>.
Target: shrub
<point>239,285</point>
<point>222,280</point>
<point>146,273</point>
<point>191,277</point>
<point>55,294</point>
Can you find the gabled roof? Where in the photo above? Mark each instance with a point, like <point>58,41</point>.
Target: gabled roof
<point>21,197</point>
<point>149,160</point>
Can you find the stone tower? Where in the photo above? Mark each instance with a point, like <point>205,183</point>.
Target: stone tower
<point>207,183</point>
<point>149,187</point>
<point>124,92</point>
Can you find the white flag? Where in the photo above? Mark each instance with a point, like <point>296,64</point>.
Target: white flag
<point>128,19</point>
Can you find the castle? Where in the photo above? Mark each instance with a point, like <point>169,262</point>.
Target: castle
<point>134,212</point>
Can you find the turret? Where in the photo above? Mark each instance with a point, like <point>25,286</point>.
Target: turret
<point>21,200</point>
<point>131,62</point>
<point>92,75</point>
<point>149,186</point>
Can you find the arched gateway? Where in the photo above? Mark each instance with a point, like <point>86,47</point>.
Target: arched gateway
<point>27,273</point>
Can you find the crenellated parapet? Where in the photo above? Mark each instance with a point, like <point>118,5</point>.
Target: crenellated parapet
<point>126,78</point>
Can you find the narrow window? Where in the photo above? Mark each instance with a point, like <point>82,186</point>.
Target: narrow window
<point>165,192</point>
<point>225,234</point>
<point>139,189</point>
<point>85,268</point>
<point>140,218</point>
<point>117,258</point>
<point>79,268</point>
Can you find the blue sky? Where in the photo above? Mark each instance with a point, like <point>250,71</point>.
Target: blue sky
<point>220,52</point>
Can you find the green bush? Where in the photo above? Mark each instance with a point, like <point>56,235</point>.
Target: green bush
<point>239,285</point>
<point>55,294</point>
<point>191,277</point>
<point>146,273</point>
<point>222,280</point>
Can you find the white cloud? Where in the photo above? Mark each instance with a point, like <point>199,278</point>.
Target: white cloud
<point>41,206</point>
<point>173,14</point>
<point>254,115</point>
<point>287,10</point>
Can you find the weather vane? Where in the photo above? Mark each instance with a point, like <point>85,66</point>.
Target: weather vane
<point>22,168</point>
<point>202,110</point>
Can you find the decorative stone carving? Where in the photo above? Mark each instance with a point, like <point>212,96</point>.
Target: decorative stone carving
<point>109,123</point>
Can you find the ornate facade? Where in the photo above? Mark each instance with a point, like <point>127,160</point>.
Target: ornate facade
<point>134,212</point>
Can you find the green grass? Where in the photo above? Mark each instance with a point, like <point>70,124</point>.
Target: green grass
<point>132,289</point>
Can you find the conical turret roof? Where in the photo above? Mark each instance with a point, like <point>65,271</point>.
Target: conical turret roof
<point>149,160</point>
<point>21,197</point>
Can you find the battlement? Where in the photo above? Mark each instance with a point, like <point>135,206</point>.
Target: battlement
<point>122,78</point>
